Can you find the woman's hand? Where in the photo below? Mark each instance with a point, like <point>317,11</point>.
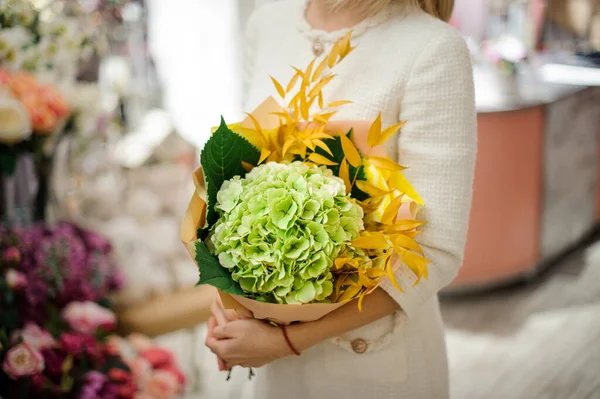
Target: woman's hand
<point>247,343</point>
<point>234,340</point>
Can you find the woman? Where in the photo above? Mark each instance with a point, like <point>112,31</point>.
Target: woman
<point>411,66</point>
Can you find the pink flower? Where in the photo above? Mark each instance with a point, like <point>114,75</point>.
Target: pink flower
<point>15,280</point>
<point>35,336</point>
<point>158,357</point>
<point>141,369</point>
<point>114,345</point>
<point>23,360</point>
<point>86,317</point>
<point>140,342</point>
<point>161,385</point>
<point>78,344</point>
<point>173,369</point>
<point>11,255</point>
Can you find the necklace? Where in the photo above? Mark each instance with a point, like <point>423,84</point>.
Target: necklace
<point>320,39</point>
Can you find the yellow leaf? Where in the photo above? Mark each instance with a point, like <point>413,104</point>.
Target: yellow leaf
<point>350,151</point>
<point>398,181</point>
<point>303,108</point>
<point>365,281</point>
<point>374,241</point>
<point>340,262</point>
<point>350,293</point>
<point>339,283</point>
<point>286,146</point>
<point>247,167</point>
<point>403,225</point>
<point>292,82</point>
<point>319,135</point>
<point>403,241</point>
<point>416,263</point>
<point>384,163</point>
<point>345,53</point>
<point>370,189</point>
<point>319,70</point>
<point>320,100</point>
<point>375,273</point>
<point>338,103</point>
<point>322,146</point>
<point>345,175</point>
<point>308,71</point>
<point>254,137</point>
<point>264,153</point>
<point>294,101</point>
<point>309,144</point>
<point>374,132</point>
<point>285,115</point>
<point>360,299</point>
<point>391,211</point>
<point>412,234</point>
<point>345,47</point>
<point>278,86</point>
<point>333,55</point>
<point>323,118</point>
<point>299,72</point>
<point>387,133</point>
<point>320,159</point>
<point>390,273</point>
<point>255,123</point>
<point>319,86</point>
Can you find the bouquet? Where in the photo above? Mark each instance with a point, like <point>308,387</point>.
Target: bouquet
<point>292,219</point>
<point>55,319</point>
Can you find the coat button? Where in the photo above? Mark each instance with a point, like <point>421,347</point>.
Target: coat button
<point>359,345</point>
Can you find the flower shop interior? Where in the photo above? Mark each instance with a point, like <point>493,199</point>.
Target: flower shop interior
<point>104,106</point>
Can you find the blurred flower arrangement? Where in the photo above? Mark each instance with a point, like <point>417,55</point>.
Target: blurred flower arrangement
<point>55,320</point>
<point>153,368</point>
<point>50,40</point>
<point>31,116</point>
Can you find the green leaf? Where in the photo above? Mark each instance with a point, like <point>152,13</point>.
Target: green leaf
<point>212,273</point>
<point>221,160</point>
<point>335,145</point>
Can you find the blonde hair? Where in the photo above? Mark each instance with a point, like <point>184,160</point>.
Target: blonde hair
<point>441,9</point>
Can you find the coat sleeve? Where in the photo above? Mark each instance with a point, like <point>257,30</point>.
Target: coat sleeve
<point>438,144</point>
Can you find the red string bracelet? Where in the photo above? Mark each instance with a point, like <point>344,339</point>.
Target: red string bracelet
<point>287,339</point>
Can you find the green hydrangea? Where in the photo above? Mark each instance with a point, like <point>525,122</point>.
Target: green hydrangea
<point>280,229</point>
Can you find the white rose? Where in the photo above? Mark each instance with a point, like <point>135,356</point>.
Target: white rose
<point>15,125</point>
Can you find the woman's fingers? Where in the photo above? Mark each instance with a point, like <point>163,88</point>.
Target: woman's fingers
<point>218,313</point>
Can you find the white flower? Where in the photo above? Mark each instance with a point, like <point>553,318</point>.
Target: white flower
<point>15,125</point>
<point>23,13</point>
<point>14,38</point>
<point>115,74</point>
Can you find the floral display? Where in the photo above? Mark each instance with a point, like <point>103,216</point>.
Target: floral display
<point>153,368</point>
<point>46,41</point>
<point>55,286</point>
<point>45,104</point>
<point>292,219</point>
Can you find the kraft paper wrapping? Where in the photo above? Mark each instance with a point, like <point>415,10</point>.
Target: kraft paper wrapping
<point>195,218</point>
